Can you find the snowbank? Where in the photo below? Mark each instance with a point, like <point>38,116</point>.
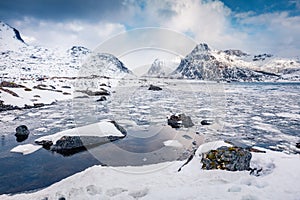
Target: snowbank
<point>100,129</point>
<point>279,179</point>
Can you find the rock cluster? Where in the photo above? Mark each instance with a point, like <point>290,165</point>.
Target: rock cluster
<point>180,120</point>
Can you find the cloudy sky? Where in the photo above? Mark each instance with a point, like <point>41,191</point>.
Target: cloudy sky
<point>254,26</point>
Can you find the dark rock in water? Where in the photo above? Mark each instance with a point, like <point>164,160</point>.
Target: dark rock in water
<point>21,138</point>
<point>227,158</point>
<point>298,145</point>
<point>22,130</point>
<point>177,121</point>
<point>22,133</point>
<point>206,122</point>
<point>46,144</point>
<point>154,88</point>
<point>69,145</point>
<point>102,92</point>
<point>102,98</point>
<point>66,87</point>
<point>119,127</point>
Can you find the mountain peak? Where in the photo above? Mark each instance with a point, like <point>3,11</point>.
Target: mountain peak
<point>235,52</point>
<point>202,47</point>
<point>10,38</point>
<point>104,64</point>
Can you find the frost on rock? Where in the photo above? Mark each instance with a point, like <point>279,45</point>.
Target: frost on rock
<point>180,120</point>
<point>227,158</point>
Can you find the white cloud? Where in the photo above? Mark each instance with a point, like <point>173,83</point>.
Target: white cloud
<point>214,23</point>
<point>277,33</point>
<point>207,21</point>
<point>66,34</point>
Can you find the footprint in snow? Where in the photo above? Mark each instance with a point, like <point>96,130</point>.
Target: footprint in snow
<point>139,193</point>
<point>93,190</point>
<point>115,191</point>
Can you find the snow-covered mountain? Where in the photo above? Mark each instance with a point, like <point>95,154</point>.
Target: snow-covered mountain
<point>234,65</point>
<point>10,38</point>
<point>162,68</point>
<point>104,64</point>
<point>22,61</point>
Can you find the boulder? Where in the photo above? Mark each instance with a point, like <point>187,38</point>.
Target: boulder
<point>227,158</point>
<point>22,130</point>
<point>154,88</point>
<point>298,145</point>
<point>22,133</point>
<point>69,143</point>
<point>180,120</point>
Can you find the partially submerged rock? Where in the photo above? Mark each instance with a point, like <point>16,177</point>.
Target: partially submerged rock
<point>227,158</point>
<point>101,92</point>
<point>22,133</point>
<point>102,98</point>
<point>154,88</point>
<point>180,120</point>
<point>206,122</point>
<point>78,139</point>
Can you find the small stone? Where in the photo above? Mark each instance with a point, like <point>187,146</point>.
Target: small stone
<point>154,88</point>
<point>206,122</point>
<point>102,98</point>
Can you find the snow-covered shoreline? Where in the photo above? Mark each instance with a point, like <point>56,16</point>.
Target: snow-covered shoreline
<point>278,180</point>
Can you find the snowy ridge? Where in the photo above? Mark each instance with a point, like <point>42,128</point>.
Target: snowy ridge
<point>22,61</point>
<point>234,65</point>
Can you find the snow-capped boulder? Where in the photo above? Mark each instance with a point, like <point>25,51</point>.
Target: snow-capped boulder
<point>77,139</point>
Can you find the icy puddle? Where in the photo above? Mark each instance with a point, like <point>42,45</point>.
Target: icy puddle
<point>42,168</point>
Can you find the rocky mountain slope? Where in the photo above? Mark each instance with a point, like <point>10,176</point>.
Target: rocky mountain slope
<point>234,65</point>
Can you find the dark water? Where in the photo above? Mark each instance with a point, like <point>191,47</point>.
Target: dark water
<point>262,114</point>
